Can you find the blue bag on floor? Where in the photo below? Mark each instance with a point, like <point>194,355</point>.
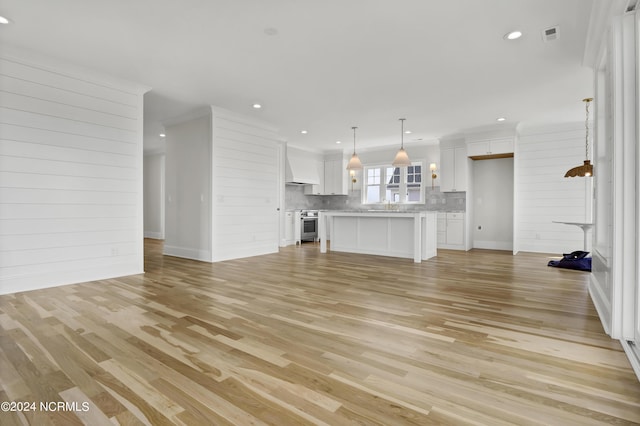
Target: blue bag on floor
<point>574,260</point>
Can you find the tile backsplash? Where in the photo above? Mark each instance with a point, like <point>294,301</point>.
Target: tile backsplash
<point>295,199</point>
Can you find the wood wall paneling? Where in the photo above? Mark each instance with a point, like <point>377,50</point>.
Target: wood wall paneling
<point>544,195</point>
<point>70,177</point>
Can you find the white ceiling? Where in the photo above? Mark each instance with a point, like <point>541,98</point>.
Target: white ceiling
<point>441,64</point>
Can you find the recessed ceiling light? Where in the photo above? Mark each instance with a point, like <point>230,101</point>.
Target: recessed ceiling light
<point>162,135</point>
<point>513,35</point>
<point>500,119</point>
<point>257,106</point>
<point>338,141</point>
<point>407,132</point>
<point>304,132</point>
<point>3,20</point>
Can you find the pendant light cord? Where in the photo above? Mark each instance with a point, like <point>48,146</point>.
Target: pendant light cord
<point>402,132</point>
<point>354,140</point>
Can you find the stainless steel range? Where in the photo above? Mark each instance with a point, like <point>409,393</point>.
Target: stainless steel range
<point>309,225</point>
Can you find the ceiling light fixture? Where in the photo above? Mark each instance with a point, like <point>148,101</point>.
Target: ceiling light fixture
<point>402,159</point>
<point>257,106</point>
<point>354,163</point>
<point>513,35</point>
<point>304,132</point>
<point>162,135</point>
<point>587,168</point>
<point>501,119</point>
<point>338,141</point>
<point>4,20</point>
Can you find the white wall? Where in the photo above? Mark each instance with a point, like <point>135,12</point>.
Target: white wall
<point>70,176</point>
<point>154,196</point>
<point>613,50</point>
<point>493,204</point>
<point>247,186</point>
<point>188,187</point>
<point>543,194</point>
<point>223,174</point>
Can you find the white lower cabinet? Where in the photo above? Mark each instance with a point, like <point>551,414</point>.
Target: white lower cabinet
<point>289,228</point>
<point>451,230</point>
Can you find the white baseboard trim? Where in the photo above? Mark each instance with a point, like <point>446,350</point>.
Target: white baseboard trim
<point>600,302</point>
<point>37,281</point>
<point>633,353</point>
<point>154,235</point>
<point>187,253</point>
<point>493,245</point>
<point>247,251</point>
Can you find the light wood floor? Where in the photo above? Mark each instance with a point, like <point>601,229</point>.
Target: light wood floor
<point>302,338</point>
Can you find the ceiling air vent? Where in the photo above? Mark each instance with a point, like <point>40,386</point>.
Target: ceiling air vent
<point>551,34</point>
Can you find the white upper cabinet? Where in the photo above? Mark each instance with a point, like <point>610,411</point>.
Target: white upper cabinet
<point>491,148</point>
<point>319,188</point>
<point>453,169</point>
<point>335,177</point>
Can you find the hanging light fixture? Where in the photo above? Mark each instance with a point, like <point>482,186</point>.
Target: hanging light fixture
<point>402,159</point>
<point>587,168</point>
<point>354,163</point>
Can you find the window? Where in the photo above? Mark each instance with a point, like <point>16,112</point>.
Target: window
<point>414,183</point>
<point>373,184</point>
<point>386,184</point>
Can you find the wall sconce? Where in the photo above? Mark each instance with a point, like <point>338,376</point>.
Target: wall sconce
<point>352,175</point>
<point>432,168</point>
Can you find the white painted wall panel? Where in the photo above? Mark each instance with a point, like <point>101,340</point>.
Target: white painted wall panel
<point>245,187</point>
<point>70,177</point>
<point>32,89</point>
<point>64,125</point>
<point>154,196</point>
<point>125,96</point>
<point>12,148</point>
<point>188,188</point>
<point>493,203</point>
<point>544,195</point>
<point>63,139</point>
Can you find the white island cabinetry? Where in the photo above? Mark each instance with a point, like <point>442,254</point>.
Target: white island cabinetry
<point>386,233</point>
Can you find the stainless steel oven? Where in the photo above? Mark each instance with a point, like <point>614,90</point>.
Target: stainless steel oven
<point>308,225</point>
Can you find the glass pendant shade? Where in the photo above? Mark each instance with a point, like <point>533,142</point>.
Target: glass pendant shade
<point>354,163</point>
<point>402,158</point>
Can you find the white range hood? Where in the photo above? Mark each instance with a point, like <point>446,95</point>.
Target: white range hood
<point>302,168</point>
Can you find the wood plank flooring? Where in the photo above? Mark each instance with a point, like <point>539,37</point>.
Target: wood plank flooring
<point>298,338</point>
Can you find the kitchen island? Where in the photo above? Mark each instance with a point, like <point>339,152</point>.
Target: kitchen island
<point>405,234</point>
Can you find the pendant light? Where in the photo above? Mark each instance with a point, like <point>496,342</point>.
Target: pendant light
<point>587,168</point>
<point>354,163</point>
<point>402,159</point>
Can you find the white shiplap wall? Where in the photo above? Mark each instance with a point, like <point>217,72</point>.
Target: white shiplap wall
<point>544,195</point>
<point>188,186</point>
<point>245,186</point>
<point>70,177</point>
